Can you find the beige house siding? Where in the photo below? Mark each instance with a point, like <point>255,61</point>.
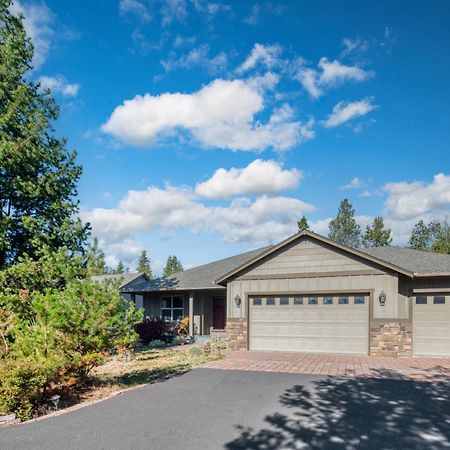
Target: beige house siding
<point>308,256</point>
<point>396,305</point>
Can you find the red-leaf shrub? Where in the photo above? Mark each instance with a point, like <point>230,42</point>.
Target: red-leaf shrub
<point>152,329</point>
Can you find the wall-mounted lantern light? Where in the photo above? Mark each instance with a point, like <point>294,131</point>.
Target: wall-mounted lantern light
<point>382,298</point>
<point>238,300</point>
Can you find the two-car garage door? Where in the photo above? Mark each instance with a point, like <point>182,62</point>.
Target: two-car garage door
<point>331,323</point>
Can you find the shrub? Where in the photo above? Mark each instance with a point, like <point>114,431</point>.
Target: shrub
<point>195,350</point>
<point>21,386</point>
<point>157,344</point>
<point>152,329</point>
<point>178,340</point>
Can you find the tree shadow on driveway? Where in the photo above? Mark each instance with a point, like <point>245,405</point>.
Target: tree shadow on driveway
<point>354,413</point>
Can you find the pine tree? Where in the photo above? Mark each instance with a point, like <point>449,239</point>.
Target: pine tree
<point>144,264</point>
<point>343,228</point>
<point>376,235</point>
<point>95,257</point>
<point>39,176</point>
<point>173,264</point>
<point>303,224</point>
<point>420,236</point>
<point>120,268</point>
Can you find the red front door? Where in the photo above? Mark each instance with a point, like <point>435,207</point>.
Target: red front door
<point>218,316</point>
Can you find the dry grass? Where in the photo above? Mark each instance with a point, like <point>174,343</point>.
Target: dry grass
<point>147,366</point>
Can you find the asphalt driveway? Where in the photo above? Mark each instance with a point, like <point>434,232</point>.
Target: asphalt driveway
<point>209,409</point>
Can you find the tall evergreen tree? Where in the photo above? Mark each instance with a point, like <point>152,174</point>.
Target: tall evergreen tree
<point>144,264</point>
<point>303,224</point>
<point>376,235</point>
<point>420,236</point>
<point>95,257</point>
<point>343,228</point>
<point>173,264</point>
<point>120,268</point>
<point>38,174</point>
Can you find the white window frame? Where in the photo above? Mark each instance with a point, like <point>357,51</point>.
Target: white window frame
<point>172,308</point>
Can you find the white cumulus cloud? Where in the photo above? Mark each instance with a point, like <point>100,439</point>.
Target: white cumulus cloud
<point>411,200</point>
<point>221,114</point>
<point>329,74</point>
<point>355,183</point>
<point>259,177</point>
<point>59,85</point>
<point>267,55</point>
<point>345,111</point>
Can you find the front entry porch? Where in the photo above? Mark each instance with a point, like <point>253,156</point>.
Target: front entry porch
<point>206,309</point>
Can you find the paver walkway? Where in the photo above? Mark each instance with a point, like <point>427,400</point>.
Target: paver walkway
<point>417,368</point>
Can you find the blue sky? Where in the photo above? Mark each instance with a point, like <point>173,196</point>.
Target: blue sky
<point>208,128</point>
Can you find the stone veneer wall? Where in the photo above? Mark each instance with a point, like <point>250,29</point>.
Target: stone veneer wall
<point>236,334</point>
<point>391,339</point>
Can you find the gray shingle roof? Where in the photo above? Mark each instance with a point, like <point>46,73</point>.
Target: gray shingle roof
<point>201,277</point>
<point>124,278</point>
<point>417,261</point>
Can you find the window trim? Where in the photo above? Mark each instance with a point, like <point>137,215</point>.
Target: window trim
<point>171,308</point>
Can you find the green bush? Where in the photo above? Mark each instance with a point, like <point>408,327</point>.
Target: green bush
<point>157,344</point>
<point>195,350</point>
<point>21,387</point>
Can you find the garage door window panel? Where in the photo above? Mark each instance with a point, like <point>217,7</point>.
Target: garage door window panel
<point>284,301</point>
<point>298,300</point>
<point>328,300</point>
<point>312,301</point>
<point>343,300</point>
<point>438,300</point>
<point>257,301</point>
<point>359,300</point>
<point>421,300</point>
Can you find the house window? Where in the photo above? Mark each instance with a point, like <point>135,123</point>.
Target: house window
<point>439,300</point>
<point>359,300</point>
<point>343,300</point>
<point>298,300</point>
<point>270,301</point>
<point>284,300</point>
<point>421,300</point>
<point>312,301</point>
<point>172,307</point>
<point>328,300</point>
<point>257,302</point>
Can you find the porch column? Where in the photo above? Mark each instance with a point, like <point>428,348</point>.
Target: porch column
<point>191,314</point>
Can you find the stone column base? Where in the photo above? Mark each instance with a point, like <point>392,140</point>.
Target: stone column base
<point>390,339</point>
<point>236,334</point>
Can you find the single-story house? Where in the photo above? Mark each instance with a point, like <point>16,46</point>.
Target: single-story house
<point>311,294</point>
